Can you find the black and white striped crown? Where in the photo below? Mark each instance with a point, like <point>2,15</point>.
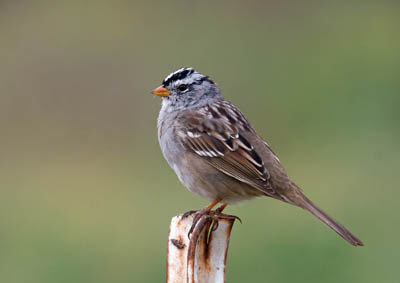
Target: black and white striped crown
<point>182,74</point>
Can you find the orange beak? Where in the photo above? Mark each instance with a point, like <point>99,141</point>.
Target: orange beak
<point>161,91</point>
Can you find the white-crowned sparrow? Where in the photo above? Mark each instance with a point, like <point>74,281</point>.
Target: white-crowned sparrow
<point>216,153</point>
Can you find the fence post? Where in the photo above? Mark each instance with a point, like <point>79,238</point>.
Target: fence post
<point>202,259</point>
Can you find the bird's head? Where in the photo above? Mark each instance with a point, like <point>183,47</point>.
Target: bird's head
<point>186,88</point>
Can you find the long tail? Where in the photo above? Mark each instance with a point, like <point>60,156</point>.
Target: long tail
<point>302,201</point>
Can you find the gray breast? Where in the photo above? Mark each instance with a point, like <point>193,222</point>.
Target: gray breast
<point>169,143</point>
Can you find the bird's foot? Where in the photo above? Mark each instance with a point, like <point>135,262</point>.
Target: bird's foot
<point>204,214</point>
<point>204,217</point>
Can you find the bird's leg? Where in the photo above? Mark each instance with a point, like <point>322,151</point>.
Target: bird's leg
<point>207,208</point>
<point>199,214</point>
<point>220,209</point>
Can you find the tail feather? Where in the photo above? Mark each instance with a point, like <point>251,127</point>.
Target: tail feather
<point>308,205</point>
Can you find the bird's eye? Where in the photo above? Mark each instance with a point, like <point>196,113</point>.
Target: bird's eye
<point>182,87</point>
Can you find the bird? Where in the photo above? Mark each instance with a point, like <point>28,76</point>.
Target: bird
<point>217,154</point>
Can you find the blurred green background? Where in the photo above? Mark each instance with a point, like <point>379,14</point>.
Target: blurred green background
<point>85,195</point>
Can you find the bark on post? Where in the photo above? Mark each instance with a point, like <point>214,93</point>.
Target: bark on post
<point>202,259</point>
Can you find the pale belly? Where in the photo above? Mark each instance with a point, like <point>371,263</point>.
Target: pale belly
<point>210,183</point>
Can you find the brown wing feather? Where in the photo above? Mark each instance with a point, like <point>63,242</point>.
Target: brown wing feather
<point>223,145</point>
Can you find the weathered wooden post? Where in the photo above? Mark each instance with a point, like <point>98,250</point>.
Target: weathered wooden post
<point>202,258</point>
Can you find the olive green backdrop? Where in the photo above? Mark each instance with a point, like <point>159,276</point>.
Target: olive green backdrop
<point>85,194</point>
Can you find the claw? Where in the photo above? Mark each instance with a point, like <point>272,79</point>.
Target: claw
<point>196,220</point>
<point>230,217</point>
<point>188,213</point>
<point>214,225</point>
